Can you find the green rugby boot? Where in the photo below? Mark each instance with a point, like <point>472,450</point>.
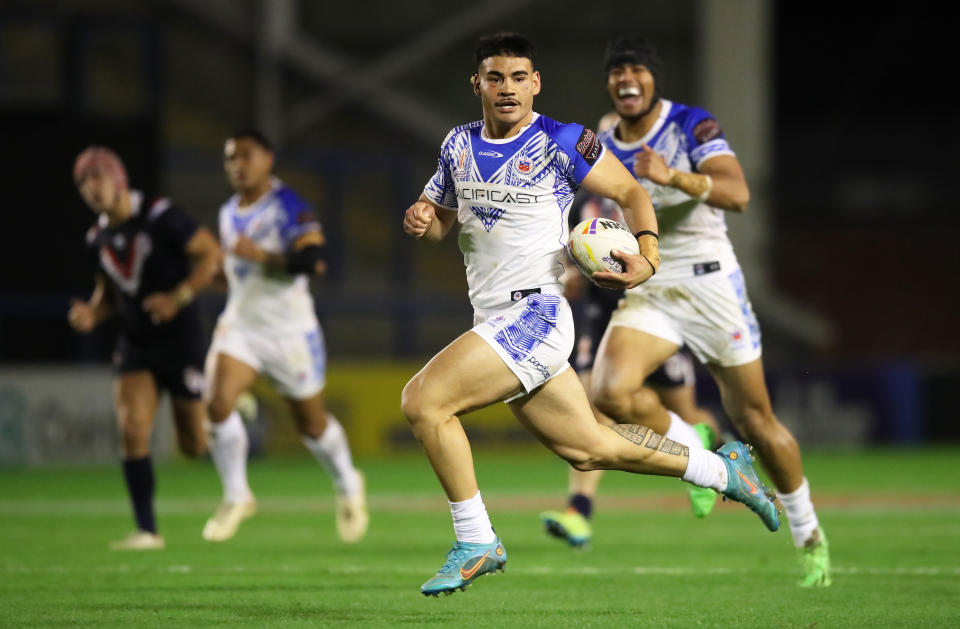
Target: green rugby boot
<point>569,526</point>
<point>814,558</point>
<point>465,562</point>
<point>702,499</point>
<point>744,486</point>
<point>707,435</point>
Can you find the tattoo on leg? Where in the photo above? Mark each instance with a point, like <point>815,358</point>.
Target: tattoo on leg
<point>653,440</point>
<point>672,447</point>
<point>632,432</point>
<point>643,436</point>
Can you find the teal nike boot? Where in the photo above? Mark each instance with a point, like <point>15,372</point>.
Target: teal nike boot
<point>744,486</point>
<point>466,562</point>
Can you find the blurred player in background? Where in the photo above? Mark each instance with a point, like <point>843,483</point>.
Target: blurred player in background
<point>508,181</point>
<point>151,260</point>
<point>699,296</point>
<point>273,243</point>
<point>673,383</point>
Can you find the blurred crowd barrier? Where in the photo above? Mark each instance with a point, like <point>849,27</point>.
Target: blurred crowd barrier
<point>65,414</point>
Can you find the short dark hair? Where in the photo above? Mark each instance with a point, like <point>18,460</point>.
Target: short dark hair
<point>632,50</point>
<point>249,133</point>
<point>504,44</point>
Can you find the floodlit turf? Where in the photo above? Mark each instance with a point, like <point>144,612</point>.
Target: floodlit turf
<point>893,519</point>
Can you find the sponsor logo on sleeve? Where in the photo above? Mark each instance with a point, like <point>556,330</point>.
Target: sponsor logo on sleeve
<point>707,130</point>
<point>588,146</point>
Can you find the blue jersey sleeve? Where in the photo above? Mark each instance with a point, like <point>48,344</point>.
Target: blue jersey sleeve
<point>440,188</point>
<point>297,217</point>
<point>704,136</point>
<point>582,148</point>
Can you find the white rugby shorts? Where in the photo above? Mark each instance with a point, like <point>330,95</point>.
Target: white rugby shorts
<point>296,362</point>
<point>533,337</point>
<point>710,313</point>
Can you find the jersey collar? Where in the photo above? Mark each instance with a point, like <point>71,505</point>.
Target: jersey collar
<point>136,201</point>
<point>665,108</point>
<point>260,203</point>
<point>483,132</point>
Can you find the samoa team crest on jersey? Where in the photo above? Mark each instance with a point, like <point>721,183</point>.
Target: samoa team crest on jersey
<point>524,165</point>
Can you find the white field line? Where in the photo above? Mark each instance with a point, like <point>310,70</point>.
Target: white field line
<point>418,502</point>
<point>580,571</point>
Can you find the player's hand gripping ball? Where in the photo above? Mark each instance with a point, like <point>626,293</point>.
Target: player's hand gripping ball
<point>591,242</point>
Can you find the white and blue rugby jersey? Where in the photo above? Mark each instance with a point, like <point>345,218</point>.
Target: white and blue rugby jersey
<point>512,197</point>
<point>258,297</point>
<point>690,231</point>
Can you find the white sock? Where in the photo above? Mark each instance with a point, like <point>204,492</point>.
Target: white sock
<point>228,449</point>
<point>682,432</point>
<point>333,451</point>
<point>706,469</point>
<point>471,522</point>
<point>800,513</point>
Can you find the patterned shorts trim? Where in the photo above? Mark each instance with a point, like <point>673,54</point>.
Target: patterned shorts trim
<point>533,337</point>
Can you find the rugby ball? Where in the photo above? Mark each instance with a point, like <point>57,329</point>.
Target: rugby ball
<point>591,241</point>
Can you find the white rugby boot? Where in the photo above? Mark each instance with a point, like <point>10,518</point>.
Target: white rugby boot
<point>352,515</point>
<point>139,540</point>
<point>225,521</point>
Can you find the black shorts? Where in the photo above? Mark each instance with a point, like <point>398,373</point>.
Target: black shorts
<point>593,323</point>
<point>176,366</point>
<point>676,371</point>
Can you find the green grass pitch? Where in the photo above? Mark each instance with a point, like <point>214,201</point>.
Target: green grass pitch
<point>892,517</point>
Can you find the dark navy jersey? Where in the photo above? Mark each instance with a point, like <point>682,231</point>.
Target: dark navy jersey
<point>145,254</point>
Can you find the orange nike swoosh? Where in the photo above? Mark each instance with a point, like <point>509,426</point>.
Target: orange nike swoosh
<point>466,574</point>
<point>753,488</point>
